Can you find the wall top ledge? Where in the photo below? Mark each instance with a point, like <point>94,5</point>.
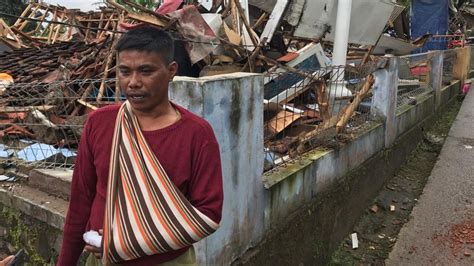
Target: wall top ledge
<point>273,177</point>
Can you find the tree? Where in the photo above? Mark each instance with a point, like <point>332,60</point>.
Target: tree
<point>12,7</point>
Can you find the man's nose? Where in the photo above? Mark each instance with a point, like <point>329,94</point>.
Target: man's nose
<point>135,81</point>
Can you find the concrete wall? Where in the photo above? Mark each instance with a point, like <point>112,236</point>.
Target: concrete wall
<point>294,187</point>
<point>305,184</point>
<point>233,106</point>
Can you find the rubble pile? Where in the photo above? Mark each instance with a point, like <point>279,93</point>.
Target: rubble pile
<point>59,63</point>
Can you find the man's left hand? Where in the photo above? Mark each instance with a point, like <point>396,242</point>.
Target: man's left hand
<point>7,260</point>
<point>94,250</point>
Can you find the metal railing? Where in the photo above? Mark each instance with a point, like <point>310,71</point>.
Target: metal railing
<point>309,109</point>
<point>413,82</point>
<point>41,123</point>
<point>449,59</point>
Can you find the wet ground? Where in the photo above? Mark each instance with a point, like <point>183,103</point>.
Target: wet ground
<point>378,228</point>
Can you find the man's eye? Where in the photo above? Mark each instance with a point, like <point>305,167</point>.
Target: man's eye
<point>124,72</point>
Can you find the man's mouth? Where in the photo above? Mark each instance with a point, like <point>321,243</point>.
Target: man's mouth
<point>136,96</point>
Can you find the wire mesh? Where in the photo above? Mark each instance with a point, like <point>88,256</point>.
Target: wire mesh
<point>41,123</point>
<point>413,80</point>
<point>449,59</point>
<point>301,110</point>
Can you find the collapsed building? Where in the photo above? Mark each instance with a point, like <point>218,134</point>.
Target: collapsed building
<point>59,65</point>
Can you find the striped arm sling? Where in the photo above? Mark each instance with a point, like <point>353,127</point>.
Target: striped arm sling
<point>145,212</point>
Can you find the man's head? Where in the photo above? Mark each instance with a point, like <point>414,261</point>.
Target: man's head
<point>145,67</point>
<point>148,39</point>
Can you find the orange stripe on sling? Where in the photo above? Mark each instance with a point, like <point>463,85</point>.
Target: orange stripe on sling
<point>157,212</point>
<point>155,167</point>
<point>157,170</point>
<point>135,214</point>
<point>120,234</point>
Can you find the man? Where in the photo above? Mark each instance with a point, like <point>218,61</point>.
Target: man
<point>148,172</point>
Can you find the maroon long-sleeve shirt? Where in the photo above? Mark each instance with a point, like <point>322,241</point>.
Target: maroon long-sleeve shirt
<point>187,150</point>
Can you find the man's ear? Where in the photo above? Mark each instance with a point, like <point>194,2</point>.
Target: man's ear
<point>173,68</point>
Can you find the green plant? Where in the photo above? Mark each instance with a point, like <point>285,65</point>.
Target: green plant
<point>11,7</point>
<point>21,236</point>
<point>405,3</point>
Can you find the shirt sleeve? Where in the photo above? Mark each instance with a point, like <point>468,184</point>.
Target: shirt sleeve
<point>205,190</point>
<point>83,188</point>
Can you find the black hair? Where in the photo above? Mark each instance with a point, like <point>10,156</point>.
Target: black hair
<point>148,39</point>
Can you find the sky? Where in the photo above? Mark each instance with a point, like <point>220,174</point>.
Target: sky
<point>84,5</point>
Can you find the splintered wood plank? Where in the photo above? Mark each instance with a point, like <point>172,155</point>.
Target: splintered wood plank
<point>32,15</point>
<point>260,20</point>
<point>58,28</point>
<point>88,105</point>
<point>15,109</point>
<point>106,26</point>
<point>51,28</point>
<point>38,27</point>
<point>146,18</point>
<point>9,36</point>
<point>19,20</point>
<point>117,84</point>
<point>322,93</point>
<point>101,20</point>
<point>282,120</point>
<point>274,20</point>
<point>235,17</point>
<point>233,36</point>
<point>88,28</point>
<point>349,110</point>
<point>246,23</point>
<point>108,64</point>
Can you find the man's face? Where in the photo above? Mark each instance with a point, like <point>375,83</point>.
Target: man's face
<point>144,78</point>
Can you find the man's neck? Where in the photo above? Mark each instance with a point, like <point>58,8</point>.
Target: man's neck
<point>162,116</point>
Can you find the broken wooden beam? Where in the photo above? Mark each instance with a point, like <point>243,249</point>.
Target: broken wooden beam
<point>19,20</point>
<point>88,105</point>
<point>58,28</point>
<point>259,22</point>
<point>323,98</point>
<point>274,20</point>
<point>246,23</point>
<point>349,110</point>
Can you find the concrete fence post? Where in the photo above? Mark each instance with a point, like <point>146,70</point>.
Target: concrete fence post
<point>462,64</point>
<point>436,75</point>
<point>384,101</point>
<point>233,105</point>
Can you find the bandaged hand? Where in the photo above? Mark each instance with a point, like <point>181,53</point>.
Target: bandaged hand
<point>94,242</point>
